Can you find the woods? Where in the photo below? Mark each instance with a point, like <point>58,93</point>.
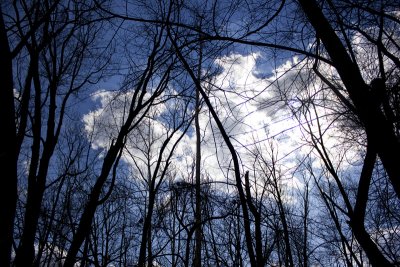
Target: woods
<point>200,133</point>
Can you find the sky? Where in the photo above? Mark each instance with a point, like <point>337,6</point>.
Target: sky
<point>247,93</point>
<point>261,102</point>
<point>246,103</point>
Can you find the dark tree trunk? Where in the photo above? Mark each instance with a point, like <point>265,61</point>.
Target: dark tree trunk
<point>378,129</point>
<point>198,231</point>
<point>380,134</point>
<point>374,255</point>
<point>235,159</point>
<point>8,158</point>
<point>91,206</point>
<point>146,229</point>
<point>257,223</point>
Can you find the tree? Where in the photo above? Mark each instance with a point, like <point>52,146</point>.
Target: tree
<point>158,62</point>
<point>384,140</point>
<point>44,52</point>
<point>178,163</point>
<point>155,178</point>
<point>8,143</point>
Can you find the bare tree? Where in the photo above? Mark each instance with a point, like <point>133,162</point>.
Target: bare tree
<point>8,154</point>
<point>158,61</point>
<point>49,62</point>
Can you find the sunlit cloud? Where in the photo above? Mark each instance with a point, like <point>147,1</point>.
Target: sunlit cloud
<point>255,116</point>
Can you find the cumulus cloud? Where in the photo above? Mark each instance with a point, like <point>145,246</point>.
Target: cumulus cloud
<point>239,95</point>
<point>280,112</point>
<point>144,142</point>
<point>255,114</point>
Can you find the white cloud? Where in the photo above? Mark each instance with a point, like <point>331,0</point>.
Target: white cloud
<point>144,142</point>
<point>251,112</point>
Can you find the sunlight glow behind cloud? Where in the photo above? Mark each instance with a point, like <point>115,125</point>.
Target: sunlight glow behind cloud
<point>254,115</point>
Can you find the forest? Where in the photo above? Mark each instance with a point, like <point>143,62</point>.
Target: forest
<point>200,133</point>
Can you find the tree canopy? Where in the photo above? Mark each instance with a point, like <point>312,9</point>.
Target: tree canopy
<point>200,133</point>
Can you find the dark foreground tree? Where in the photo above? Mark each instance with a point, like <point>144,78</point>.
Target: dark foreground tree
<point>8,157</point>
<point>378,127</point>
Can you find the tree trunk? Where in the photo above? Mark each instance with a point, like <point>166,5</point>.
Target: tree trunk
<point>378,129</point>
<point>8,158</point>
<point>91,206</point>
<point>198,232</point>
<point>257,223</point>
<point>37,182</point>
<point>235,159</point>
<point>146,232</point>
